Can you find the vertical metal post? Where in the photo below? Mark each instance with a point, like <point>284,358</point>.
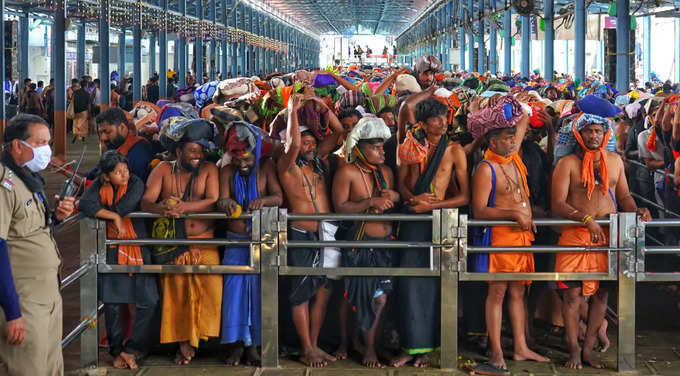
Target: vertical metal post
<point>526,46</point>
<point>580,39</point>
<point>212,63</point>
<point>121,52</point>
<point>647,48</point>
<point>549,58</point>
<point>676,43</point>
<point>242,25</point>
<point>622,45</point>
<point>507,41</point>
<point>163,54</point>
<point>269,285</point>
<point>180,50</point>
<point>2,72</point>
<point>152,54</point>
<point>175,60</point>
<point>104,58</point>
<point>80,50</point>
<point>234,45</point>
<point>59,51</point>
<point>481,52</point>
<point>251,49</point>
<point>493,43</point>
<point>626,304</point>
<point>471,38</point>
<point>461,34</point>
<point>449,286</point>
<point>92,238</point>
<point>198,43</point>
<point>23,48</point>
<point>137,57</point>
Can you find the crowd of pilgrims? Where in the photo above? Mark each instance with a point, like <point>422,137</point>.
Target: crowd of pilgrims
<point>370,140</point>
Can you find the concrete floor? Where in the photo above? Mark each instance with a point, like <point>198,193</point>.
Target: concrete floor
<point>658,344</point>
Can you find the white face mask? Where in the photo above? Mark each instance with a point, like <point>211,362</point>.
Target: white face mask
<point>41,157</point>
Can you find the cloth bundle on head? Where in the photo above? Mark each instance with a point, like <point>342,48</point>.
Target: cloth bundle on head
<point>449,83</point>
<point>594,105</point>
<point>569,138</point>
<point>235,87</point>
<point>224,115</point>
<point>428,63</point>
<point>505,114</point>
<point>473,83</point>
<point>350,99</point>
<point>180,129</point>
<point>622,100</point>
<point>185,95</point>
<point>242,139</point>
<point>494,84</point>
<point>325,91</point>
<point>368,128</point>
<point>377,103</point>
<point>276,82</point>
<point>176,109</point>
<point>302,76</point>
<point>406,82</point>
<point>144,117</point>
<point>632,110</point>
<point>316,121</point>
<point>205,92</point>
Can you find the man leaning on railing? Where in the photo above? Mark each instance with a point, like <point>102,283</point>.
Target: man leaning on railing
<point>30,330</point>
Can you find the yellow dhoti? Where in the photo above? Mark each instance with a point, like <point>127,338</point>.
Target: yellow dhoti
<point>192,303</point>
<point>80,124</point>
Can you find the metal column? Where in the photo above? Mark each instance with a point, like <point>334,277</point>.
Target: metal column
<point>647,48</point>
<point>242,49</point>
<point>549,58</point>
<point>152,54</point>
<point>676,43</point>
<point>250,59</point>
<point>163,55</point>
<point>59,51</point>
<point>507,41</point>
<point>580,39</point>
<point>121,53</point>
<point>2,73</point>
<point>526,46</point>
<point>213,63</point>
<point>198,46</point>
<point>481,53</point>
<point>461,35</point>
<point>137,57</point>
<point>234,45</point>
<point>493,43</point>
<point>104,55</point>
<point>80,50</point>
<point>471,38</point>
<point>622,45</point>
<point>23,48</point>
<point>626,289</point>
<point>181,51</point>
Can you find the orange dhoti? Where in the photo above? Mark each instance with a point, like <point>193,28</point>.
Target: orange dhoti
<point>80,124</point>
<point>192,303</point>
<point>582,262</point>
<point>511,262</point>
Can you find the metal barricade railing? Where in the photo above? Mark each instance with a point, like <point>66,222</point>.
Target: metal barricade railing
<point>448,251</point>
<point>642,275</point>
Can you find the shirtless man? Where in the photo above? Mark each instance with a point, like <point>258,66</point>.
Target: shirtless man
<point>585,202</point>
<point>365,185</point>
<point>246,166</point>
<point>437,180</point>
<point>302,174</point>
<point>503,173</point>
<point>188,185</point>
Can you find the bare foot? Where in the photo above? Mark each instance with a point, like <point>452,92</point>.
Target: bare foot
<point>401,360</point>
<point>180,360</point>
<point>602,337</point>
<point>313,358</point>
<point>129,359</point>
<point>422,361</point>
<point>574,361</point>
<point>371,360</point>
<point>234,355</point>
<point>591,360</point>
<point>529,355</point>
<point>252,356</point>
<point>187,353</point>
<point>496,360</point>
<point>118,362</point>
<point>341,352</point>
<point>328,357</point>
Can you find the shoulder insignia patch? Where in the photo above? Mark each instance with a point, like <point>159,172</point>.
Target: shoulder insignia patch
<point>7,184</point>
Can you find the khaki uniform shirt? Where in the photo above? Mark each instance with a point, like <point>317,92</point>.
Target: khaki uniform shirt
<point>33,252</point>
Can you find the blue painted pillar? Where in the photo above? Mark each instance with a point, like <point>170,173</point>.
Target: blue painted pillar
<point>647,48</point>
<point>198,43</point>
<point>213,63</point>
<point>549,58</point>
<point>175,61</point>
<point>481,53</point>
<point>243,49</point>
<point>580,39</point>
<point>526,47</point>
<point>137,58</point>
<point>507,41</point>
<point>121,53</point>
<point>181,50</point>
<point>59,51</point>
<point>152,54</point>
<point>251,49</point>
<point>677,49</point>
<point>2,73</point>
<point>234,45</point>
<point>163,62</point>
<point>23,48</point>
<point>461,35</point>
<point>493,43</point>
<point>471,38</point>
<point>622,45</point>
<point>104,54</point>
<point>80,50</point>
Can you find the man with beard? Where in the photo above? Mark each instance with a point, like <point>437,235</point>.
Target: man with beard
<point>432,175</point>
<point>116,134</point>
<point>304,177</point>
<point>501,191</point>
<point>588,183</point>
<point>365,185</point>
<point>247,183</point>
<point>191,302</point>
<point>424,70</point>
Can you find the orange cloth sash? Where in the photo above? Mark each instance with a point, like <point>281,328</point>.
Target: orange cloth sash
<point>582,262</point>
<point>651,142</point>
<point>587,165</point>
<point>192,303</point>
<point>131,140</point>
<point>127,254</point>
<point>516,159</point>
<point>511,262</point>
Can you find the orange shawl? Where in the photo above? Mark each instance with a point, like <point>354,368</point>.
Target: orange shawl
<point>516,159</point>
<point>127,254</point>
<point>587,166</point>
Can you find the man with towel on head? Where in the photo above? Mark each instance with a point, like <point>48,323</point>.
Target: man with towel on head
<point>500,191</point>
<point>424,70</point>
<point>365,185</point>
<point>246,183</point>
<point>189,184</point>
<point>588,183</point>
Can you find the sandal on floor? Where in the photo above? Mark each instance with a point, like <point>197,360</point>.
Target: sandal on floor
<point>489,369</point>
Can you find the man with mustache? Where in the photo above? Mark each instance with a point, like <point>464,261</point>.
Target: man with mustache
<point>191,302</point>
<point>304,178</point>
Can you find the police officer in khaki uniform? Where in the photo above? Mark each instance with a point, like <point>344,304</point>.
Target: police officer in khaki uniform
<point>31,327</point>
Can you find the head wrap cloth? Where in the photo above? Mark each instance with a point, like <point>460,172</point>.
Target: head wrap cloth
<point>366,129</point>
<point>181,129</point>
<point>505,114</point>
